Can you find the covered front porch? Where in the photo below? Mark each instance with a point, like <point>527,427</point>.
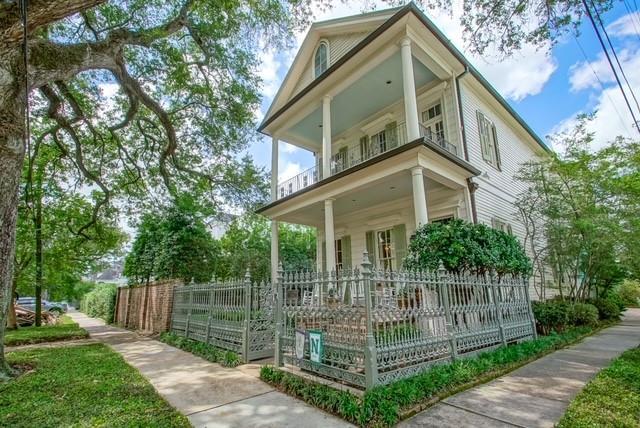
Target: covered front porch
<point>376,208</point>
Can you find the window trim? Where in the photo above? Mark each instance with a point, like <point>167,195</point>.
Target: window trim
<point>496,222</point>
<point>315,51</point>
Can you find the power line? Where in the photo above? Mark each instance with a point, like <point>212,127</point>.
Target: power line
<point>613,104</point>
<point>615,55</point>
<point>615,73</point>
<point>633,17</point>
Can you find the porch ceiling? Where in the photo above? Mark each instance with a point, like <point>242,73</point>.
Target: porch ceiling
<point>383,191</point>
<point>366,96</point>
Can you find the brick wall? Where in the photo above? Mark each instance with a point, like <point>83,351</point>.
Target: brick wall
<point>145,308</point>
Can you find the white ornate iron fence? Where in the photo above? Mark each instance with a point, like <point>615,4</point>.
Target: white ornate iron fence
<point>234,315</point>
<point>378,327</point>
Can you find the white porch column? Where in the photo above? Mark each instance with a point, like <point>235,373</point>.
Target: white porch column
<point>326,136</point>
<point>275,253</point>
<point>274,168</point>
<point>409,87</point>
<point>419,196</point>
<point>318,250</point>
<point>329,236</point>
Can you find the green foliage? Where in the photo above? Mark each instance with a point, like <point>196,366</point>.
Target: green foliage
<point>551,315</point>
<point>629,292</point>
<point>383,405</point>
<point>581,211</point>
<point>461,246</point>
<point>247,244</point>
<point>172,243</point>
<point>608,308</point>
<point>201,349</point>
<point>611,399</point>
<point>88,385</point>
<point>100,302</point>
<point>583,314</point>
<point>65,329</point>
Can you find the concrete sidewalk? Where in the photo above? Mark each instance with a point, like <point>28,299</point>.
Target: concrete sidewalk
<point>538,394</point>
<point>208,394</point>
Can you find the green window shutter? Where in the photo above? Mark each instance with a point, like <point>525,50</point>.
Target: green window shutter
<point>494,134</point>
<point>391,133</point>
<point>346,252</point>
<point>371,246</point>
<point>400,241</point>
<point>484,137</point>
<point>324,256</point>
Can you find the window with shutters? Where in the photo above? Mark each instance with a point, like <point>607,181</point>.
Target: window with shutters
<point>384,249</point>
<point>498,224</point>
<point>321,59</point>
<point>433,123</point>
<point>488,140</point>
<point>378,142</point>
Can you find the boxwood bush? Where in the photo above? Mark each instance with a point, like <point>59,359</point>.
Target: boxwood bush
<point>460,246</point>
<point>608,308</point>
<point>583,314</point>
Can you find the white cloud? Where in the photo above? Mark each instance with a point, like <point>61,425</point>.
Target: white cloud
<point>627,25</point>
<point>287,148</point>
<point>269,73</point>
<point>109,89</point>
<point>290,169</point>
<point>612,118</point>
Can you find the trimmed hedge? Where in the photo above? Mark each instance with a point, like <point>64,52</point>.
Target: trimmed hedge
<point>385,405</point>
<point>100,302</point>
<point>202,350</point>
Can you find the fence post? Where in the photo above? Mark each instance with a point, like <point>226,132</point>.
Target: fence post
<point>498,305</point>
<point>444,289</point>
<point>370,351</point>
<point>186,331</point>
<point>525,282</point>
<point>278,289</point>
<point>247,316</point>
<point>211,299</point>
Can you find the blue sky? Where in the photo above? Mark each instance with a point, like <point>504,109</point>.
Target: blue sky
<point>547,86</point>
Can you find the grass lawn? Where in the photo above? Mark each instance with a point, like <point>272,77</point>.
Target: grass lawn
<point>66,329</point>
<point>81,386</point>
<point>612,398</point>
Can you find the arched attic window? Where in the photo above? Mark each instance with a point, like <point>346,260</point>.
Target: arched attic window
<point>321,58</point>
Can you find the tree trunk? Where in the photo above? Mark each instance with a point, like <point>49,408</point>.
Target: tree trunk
<point>12,322</point>
<point>37,223</point>
<point>12,107</point>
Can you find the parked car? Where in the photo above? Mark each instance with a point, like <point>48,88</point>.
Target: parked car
<point>30,303</point>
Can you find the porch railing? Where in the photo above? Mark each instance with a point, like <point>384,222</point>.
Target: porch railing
<point>235,315</point>
<point>377,327</point>
<point>358,152</point>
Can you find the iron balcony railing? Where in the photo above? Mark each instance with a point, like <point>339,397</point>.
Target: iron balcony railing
<point>360,151</point>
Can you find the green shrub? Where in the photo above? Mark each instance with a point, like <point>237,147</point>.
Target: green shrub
<point>202,350</point>
<point>608,309</point>
<point>615,298</point>
<point>460,246</point>
<point>629,292</point>
<point>384,405</point>
<point>551,315</point>
<point>583,314</point>
<point>100,302</point>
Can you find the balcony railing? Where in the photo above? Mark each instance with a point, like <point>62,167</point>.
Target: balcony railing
<point>438,139</point>
<point>359,151</point>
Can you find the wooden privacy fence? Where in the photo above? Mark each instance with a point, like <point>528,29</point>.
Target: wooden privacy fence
<point>235,315</point>
<point>146,308</point>
<point>368,327</point>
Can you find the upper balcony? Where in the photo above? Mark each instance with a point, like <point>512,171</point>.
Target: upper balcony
<point>356,152</point>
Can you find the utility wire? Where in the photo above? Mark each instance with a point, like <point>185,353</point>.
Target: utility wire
<point>634,17</point>
<point>615,55</point>
<point>593,70</point>
<point>615,73</point>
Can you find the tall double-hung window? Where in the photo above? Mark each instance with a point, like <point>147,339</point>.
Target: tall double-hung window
<point>488,140</point>
<point>321,59</point>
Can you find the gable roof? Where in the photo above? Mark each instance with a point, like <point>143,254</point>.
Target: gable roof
<point>399,13</point>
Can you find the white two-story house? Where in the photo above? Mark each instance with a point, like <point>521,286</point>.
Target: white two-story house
<point>404,130</point>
